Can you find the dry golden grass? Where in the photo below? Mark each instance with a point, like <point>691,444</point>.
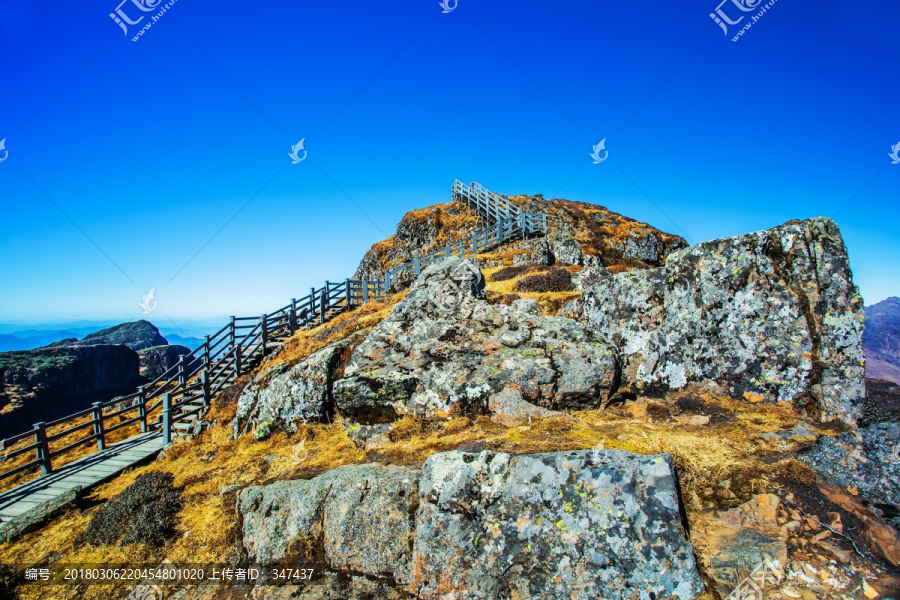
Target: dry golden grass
<point>549,302</point>
<point>703,455</point>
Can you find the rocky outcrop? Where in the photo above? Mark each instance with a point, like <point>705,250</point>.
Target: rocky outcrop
<point>772,316</point>
<point>359,516</point>
<point>565,249</point>
<point>158,359</point>
<point>48,383</point>
<point>444,351</point>
<point>867,459</point>
<point>137,335</point>
<point>578,524</point>
<point>881,340</point>
<point>284,395</point>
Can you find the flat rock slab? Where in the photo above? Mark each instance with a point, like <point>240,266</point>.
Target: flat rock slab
<point>564,525</point>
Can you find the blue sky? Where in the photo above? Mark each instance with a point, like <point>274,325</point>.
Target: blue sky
<point>163,163</point>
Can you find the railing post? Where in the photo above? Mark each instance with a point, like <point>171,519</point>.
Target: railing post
<point>447,251</point>
<point>204,383</point>
<point>347,292</point>
<point>233,331</point>
<point>474,242</point>
<point>98,425</point>
<point>182,376</point>
<point>292,317</point>
<point>237,361</point>
<point>166,419</point>
<point>418,262</point>
<point>499,231</point>
<point>544,222</point>
<point>365,290</point>
<point>142,408</point>
<point>206,352</point>
<point>387,282</point>
<point>324,303</point>
<point>43,448</point>
<point>264,333</point>
<point>312,305</point>
<point>522,223</point>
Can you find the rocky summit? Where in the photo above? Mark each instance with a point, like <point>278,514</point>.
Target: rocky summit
<point>443,351</point>
<point>772,316</point>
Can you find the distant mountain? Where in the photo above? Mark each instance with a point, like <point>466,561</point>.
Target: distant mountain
<point>31,338</point>
<point>137,335</point>
<point>190,342</point>
<point>881,340</point>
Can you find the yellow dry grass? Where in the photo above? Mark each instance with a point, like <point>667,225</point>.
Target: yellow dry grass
<point>549,302</point>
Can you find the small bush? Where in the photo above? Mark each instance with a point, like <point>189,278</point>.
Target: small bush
<point>509,298</point>
<point>556,280</point>
<point>146,512</point>
<point>507,273</point>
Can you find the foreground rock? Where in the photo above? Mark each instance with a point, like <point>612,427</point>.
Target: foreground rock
<point>360,516</point>
<point>579,524</point>
<point>867,459</point>
<point>287,394</point>
<point>772,316</point>
<point>444,351</point>
<point>560,525</point>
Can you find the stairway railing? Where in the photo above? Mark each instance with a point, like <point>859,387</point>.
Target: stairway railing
<point>184,391</point>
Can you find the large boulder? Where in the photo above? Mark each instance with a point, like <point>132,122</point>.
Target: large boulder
<point>284,395</point>
<point>772,316</point>
<point>444,351</point>
<point>579,524</point>
<point>359,516</point>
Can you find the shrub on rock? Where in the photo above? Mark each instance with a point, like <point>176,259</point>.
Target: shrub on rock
<point>555,280</point>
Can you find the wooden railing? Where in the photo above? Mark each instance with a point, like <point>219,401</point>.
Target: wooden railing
<point>177,396</point>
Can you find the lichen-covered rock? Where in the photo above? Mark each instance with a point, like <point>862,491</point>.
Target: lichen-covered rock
<point>157,360</point>
<point>772,316</point>
<point>287,394</point>
<point>867,459</point>
<point>566,250</point>
<point>443,351</point>
<point>360,516</point>
<point>589,276</point>
<point>564,525</point>
<point>508,408</point>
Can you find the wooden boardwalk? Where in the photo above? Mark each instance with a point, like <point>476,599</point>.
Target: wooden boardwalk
<point>35,500</point>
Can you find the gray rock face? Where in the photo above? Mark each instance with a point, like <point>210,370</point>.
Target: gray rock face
<point>508,408</point>
<point>564,525</point>
<point>589,276</point>
<point>867,458</point>
<point>772,316</point>
<point>566,250</point>
<point>443,351</point>
<point>158,359</point>
<point>284,395</point>
<point>360,515</point>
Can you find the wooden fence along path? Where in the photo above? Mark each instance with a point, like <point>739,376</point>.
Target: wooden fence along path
<point>173,402</point>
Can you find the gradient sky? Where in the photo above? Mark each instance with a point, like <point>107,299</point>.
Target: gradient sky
<point>163,163</point>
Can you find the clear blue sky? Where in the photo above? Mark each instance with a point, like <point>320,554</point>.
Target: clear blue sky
<point>131,164</point>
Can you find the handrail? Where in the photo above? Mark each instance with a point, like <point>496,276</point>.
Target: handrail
<point>233,349</point>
